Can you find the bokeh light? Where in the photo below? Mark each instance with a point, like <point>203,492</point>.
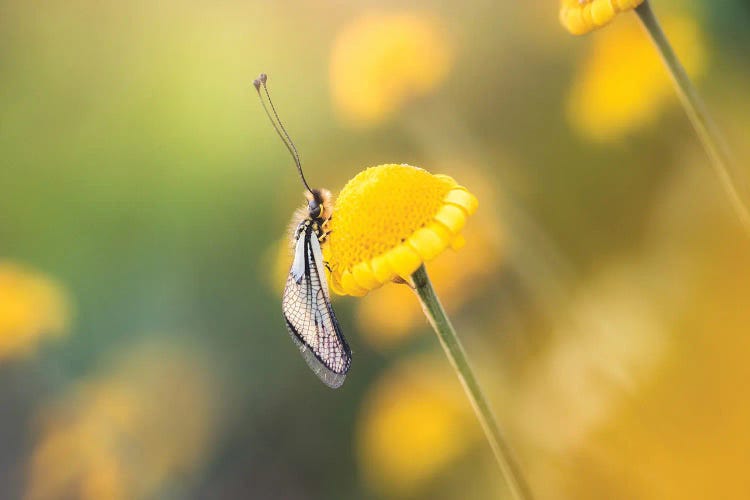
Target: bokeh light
<point>415,422</point>
<point>381,60</point>
<point>147,421</point>
<point>32,307</point>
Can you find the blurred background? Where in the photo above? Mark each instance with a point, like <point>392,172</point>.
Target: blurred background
<point>144,198</point>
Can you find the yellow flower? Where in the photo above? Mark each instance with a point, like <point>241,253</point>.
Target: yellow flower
<point>581,16</point>
<point>390,219</point>
<point>457,278</point>
<point>415,421</point>
<point>380,61</point>
<point>622,84</point>
<point>128,432</point>
<point>31,307</point>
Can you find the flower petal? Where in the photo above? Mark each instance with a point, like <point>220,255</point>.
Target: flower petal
<point>602,12</point>
<point>404,260</point>
<point>350,286</point>
<point>336,286</point>
<point>462,198</point>
<point>581,16</point>
<point>451,217</point>
<point>364,276</point>
<point>381,269</point>
<point>427,243</point>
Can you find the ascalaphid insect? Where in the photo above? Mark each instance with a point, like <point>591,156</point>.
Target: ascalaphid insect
<point>307,304</point>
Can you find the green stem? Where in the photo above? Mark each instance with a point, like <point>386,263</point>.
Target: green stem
<point>457,356</point>
<point>704,126</point>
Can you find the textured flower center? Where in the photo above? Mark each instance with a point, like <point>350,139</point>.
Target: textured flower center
<point>379,209</point>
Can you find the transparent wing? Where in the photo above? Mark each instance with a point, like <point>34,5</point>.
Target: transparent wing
<point>309,316</point>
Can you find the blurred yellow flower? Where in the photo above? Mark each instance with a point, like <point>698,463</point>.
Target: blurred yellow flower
<point>390,219</point>
<point>276,263</point>
<point>379,61</point>
<point>608,347</point>
<point>32,306</point>
<point>611,343</point>
<point>623,84</point>
<point>694,270</point>
<point>457,278</point>
<point>143,423</point>
<point>414,422</point>
<point>581,16</point>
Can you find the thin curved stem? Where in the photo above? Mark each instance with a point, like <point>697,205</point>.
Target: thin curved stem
<point>704,126</point>
<point>457,356</point>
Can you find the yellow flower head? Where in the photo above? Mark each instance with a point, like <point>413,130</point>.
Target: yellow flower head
<point>581,16</point>
<point>458,277</point>
<point>31,306</point>
<point>623,85</point>
<point>390,219</point>
<point>380,61</point>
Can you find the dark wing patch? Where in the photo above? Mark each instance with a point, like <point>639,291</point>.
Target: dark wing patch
<point>311,322</point>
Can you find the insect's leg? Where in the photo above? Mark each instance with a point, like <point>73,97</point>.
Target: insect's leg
<point>300,229</point>
<point>328,266</point>
<point>325,222</point>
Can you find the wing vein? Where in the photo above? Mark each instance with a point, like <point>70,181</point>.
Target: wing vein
<point>310,319</point>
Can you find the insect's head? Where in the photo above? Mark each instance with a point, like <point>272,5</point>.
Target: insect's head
<point>319,203</point>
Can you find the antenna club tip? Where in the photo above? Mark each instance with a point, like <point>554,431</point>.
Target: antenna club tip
<point>261,80</point>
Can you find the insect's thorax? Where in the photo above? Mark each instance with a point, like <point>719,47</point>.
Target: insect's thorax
<point>316,226</point>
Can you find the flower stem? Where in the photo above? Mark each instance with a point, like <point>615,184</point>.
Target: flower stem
<point>457,356</point>
<point>704,126</point>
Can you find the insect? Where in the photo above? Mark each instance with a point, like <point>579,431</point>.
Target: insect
<point>307,304</point>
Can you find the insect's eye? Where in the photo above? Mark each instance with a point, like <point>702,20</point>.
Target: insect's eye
<point>314,209</point>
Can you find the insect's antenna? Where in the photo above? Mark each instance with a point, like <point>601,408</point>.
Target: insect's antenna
<point>278,126</point>
<point>257,83</point>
